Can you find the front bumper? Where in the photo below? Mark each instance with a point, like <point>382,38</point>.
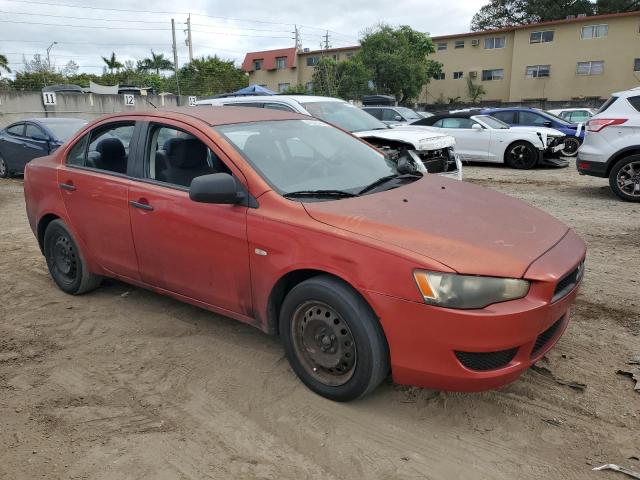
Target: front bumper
<point>475,350</point>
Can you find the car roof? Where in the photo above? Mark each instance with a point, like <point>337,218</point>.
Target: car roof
<point>46,121</point>
<point>271,98</point>
<point>214,116</point>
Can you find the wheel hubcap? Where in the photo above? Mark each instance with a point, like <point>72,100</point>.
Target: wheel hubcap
<point>628,179</point>
<point>323,343</point>
<point>521,155</point>
<point>570,147</point>
<point>64,258</point>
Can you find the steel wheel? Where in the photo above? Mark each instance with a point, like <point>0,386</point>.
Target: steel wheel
<point>323,343</point>
<point>628,179</point>
<point>64,261</point>
<point>571,146</point>
<point>522,155</point>
<point>4,169</point>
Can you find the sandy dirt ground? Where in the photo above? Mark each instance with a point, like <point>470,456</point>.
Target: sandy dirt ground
<point>123,383</point>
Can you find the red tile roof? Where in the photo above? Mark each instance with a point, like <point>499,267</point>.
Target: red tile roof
<point>268,58</point>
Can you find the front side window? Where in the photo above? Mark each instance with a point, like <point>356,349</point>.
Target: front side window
<point>506,117</point>
<point>390,115</point>
<point>590,68</point>
<point>541,37</point>
<point>594,31</point>
<point>307,155</point>
<point>531,118</point>
<point>281,63</point>
<point>536,71</point>
<point>458,75</point>
<point>491,43</point>
<point>495,74</point>
<point>635,102</point>
<point>76,155</point>
<point>459,44</point>
<point>109,147</point>
<point>257,64</point>
<point>283,87</point>
<point>453,122</point>
<point>442,46</point>
<point>176,157</point>
<point>17,130</point>
<point>32,131</point>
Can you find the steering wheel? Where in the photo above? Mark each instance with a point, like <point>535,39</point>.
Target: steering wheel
<point>319,165</point>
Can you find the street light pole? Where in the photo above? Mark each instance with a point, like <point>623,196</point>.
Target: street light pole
<point>48,51</point>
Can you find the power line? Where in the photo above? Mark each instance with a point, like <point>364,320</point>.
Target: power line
<point>80,26</point>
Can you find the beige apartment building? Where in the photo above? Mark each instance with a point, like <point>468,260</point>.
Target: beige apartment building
<point>572,59</point>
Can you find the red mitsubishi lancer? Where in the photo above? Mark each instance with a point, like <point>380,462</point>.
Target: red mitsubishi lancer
<point>363,265</point>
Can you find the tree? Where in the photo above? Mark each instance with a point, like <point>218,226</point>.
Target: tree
<point>157,62</point>
<point>325,77</point>
<point>4,64</point>
<point>474,91</point>
<point>506,13</point>
<point>397,60</point>
<point>209,76</point>
<point>70,69</point>
<point>615,6</point>
<point>353,78</point>
<point>112,63</point>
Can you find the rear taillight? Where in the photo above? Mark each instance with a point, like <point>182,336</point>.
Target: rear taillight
<point>597,124</point>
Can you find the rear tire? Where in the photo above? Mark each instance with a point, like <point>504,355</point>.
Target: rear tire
<point>521,155</point>
<point>65,261</point>
<point>4,168</point>
<point>332,339</point>
<point>624,178</point>
<point>571,146</point>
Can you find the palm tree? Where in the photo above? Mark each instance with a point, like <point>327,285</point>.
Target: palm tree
<point>112,63</point>
<point>4,64</point>
<point>157,62</point>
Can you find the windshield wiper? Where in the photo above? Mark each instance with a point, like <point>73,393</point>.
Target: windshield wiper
<point>388,178</point>
<point>321,193</point>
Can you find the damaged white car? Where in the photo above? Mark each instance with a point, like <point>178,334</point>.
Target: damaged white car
<point>428,150</point>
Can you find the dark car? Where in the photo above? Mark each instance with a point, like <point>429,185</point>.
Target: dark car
<point>23,141</point>
<point>525,117</point>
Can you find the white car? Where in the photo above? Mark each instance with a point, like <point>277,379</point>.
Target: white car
<point>430,151</point>
<point>482,138</point>
<point>574,115</point>
<point>611,146</point>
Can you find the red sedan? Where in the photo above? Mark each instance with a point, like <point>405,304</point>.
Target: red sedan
<point>362,265</point>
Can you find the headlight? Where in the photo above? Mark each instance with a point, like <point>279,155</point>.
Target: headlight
<point>467,292</point>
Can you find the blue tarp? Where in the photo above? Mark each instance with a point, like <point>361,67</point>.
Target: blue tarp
<point>254,90</point>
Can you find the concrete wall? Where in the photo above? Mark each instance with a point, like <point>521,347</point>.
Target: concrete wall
<point>16,106</point>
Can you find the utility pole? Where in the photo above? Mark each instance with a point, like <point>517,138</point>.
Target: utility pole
<point>296,38</point>
<point>189,40</point>
<point>175,56</point>
<point>327,46</point>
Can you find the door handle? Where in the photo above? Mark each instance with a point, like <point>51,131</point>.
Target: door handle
<point>141,206</point>
<point>68,186</point>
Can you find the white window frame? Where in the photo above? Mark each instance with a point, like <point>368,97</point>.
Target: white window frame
<point>533,71</point>
<point>589,73</point>
<point>440,46</point>
<point>595,31</point>
<point>281,63</point>
<point>493,42</point>
<point>458,44</point>
<point>283,87</point>
<point>258,63</point>
<point>493,77</point>
<point>458,75</point>
<point>541,33</point>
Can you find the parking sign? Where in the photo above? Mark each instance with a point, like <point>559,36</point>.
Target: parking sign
<point>49,98</point>
<point>192,101</point>
<point>129,100</point>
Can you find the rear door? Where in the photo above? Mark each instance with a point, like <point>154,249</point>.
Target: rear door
<point>197,250</point>
<point>94,182</point>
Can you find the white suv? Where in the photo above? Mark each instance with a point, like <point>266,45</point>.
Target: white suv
<point>430,151</point>
<point>611,146</point>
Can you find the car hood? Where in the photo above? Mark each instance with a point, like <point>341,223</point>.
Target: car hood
<point>471,229</point>
<point>421,138</point>
<point>543,130</point>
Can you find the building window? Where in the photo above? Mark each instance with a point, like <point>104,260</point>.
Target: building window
<point>283,87</point>
<point>458,75</point>
<point>636,65</point>
<point>536,71</point>
<point>350,54</point>
<point>442,46</point>
<point>495,74</point>
<point>281,63</point>
<point>459,44</point>
<point>309,86</point>
<point>594,31</point>
<point>541,37</point>
<point>257,64</point>
<point>439,76</point>
<point>336,56</point>
<point>590,68</point>
<point>312,61</point>
<point>495,42</point>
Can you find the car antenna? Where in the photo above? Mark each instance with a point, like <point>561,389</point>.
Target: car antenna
<point>150,103</point>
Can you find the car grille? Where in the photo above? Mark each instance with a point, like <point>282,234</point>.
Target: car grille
<point>439,161</point>
<point>568,282</point>
<point>483,361</point>
<point>545,336</point>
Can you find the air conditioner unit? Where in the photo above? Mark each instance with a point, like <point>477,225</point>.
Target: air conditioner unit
<point>306,50</point>
<point>582,15</point>
<point>475,43</point>
<point>570,17</point>
<point>473,74</point>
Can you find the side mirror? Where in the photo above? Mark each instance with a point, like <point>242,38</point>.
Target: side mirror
<point>397,118</point>
<point>220,188</point>
<point>476,126</point>
<point>548,124</point>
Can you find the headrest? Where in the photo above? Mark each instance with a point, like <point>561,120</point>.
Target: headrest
<point>260,146</point>
<point>110,148</point>
<point>186,152</point>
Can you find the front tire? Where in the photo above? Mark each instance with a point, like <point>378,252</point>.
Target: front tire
<point>624,178</point>
<point>65,261</point>
<point>571,146</point>
<point>4,168</point>
<point>332,339</point>
<point>521,155</point>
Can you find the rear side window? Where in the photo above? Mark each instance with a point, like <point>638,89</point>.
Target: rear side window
<point>635,102</point>
<point>17,130</point>
<point>608,103</point>
<point>375,112</point>
<point>251,105</point>
<point>108,148</point>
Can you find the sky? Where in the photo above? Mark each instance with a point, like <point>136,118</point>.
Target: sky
<point>85,32</point>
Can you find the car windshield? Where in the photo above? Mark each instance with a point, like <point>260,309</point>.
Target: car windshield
<point>344,115</point>
<point>408,113</point>
<point>308,156</point>
<point>491,122</point>
<point>64,130</point>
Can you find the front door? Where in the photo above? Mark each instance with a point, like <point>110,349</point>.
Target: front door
<point>472,144</point>
<point>94,184</point>
<point>193,249</point>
